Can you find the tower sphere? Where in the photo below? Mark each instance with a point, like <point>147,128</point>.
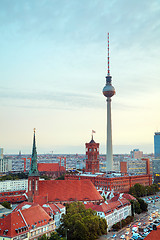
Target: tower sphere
<point>108,90</point>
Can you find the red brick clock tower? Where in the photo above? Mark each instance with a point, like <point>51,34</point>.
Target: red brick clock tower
<point>92,153</point>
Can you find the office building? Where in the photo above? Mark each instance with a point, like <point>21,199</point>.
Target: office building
<point>13,185</point>
<point>136,154</point>
<point>136,166</point>
<point>5,165</point>
<point>157,145</point>
<point>1,153</point>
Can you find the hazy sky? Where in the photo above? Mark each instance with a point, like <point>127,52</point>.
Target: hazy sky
<point>53,59</point>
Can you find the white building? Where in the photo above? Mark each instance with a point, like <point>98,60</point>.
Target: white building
<point>5,165</point>
<point>1,153</point>
<point>113,212</point>
<point>13,185</point>
<point>55,211</point>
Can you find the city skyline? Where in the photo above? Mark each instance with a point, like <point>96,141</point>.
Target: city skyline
<point>53,67</point>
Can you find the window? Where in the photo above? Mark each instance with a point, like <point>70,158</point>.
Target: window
<point>36,185</point>
<point>29,185</point>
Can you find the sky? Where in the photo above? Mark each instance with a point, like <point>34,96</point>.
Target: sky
<point>53,63</point>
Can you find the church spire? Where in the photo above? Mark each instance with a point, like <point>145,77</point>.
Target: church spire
<point>34,170</point>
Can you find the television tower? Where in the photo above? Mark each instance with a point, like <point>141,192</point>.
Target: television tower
<point>108,92</point>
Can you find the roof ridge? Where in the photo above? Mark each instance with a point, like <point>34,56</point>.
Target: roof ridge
<point>23,217</point>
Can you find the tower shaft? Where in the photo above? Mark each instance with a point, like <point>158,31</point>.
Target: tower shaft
<point>109,160</point>
<point>108,92</point>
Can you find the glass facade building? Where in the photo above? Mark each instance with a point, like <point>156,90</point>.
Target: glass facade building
<point>157,145</point>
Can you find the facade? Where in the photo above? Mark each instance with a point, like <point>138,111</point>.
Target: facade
<point>27,221</point>
<point>119,183</point>
<point>136,166</point>
<point>156,165</point>
<point>108,92</point>
<point>1,153</point>
<point>157,145</point>
<point>156,160</point>
<point>5,165</point>
<point>136,154</point>
<point>156,170</point>
<point>55,211</point>
<point>53,170</point>
<point>13,185</point>
<point>113,212</point>
<point>92,153</point>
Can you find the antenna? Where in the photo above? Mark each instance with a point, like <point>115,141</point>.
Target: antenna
<point>108,57</point>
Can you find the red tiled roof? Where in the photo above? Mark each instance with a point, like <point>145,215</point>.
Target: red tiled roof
<point>69,190</point>
<point>13,198</point>
<point>115,198</point>
<point>22,205</point>
<point>59,205</point>
<point>55,208</point>
<point>50,167</point>
<point>33,215</point>
<point>40,199</point>
<point>120,195</point>
<point>107,208</point>
<point>154,234</point>
<point>128,196</point>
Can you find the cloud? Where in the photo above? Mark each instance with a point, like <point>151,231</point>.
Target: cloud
<point>83,21</point>
<point>49,99</point>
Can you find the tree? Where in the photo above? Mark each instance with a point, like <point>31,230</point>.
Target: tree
<point>43,237</point>
<point>46,177</point>
<point>104,198</point>
<point>132,191</point>
<point>132,207</point>
<point>139,190</point>
<point>143,205</point>
<point>137,208</point>
<point>55,236</point>
<point>155,187</point>
<point>62,177</point>
<point>6,205</point>
<point>117,226</point>
<point>80,223</point>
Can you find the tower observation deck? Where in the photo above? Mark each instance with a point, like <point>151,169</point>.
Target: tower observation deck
<point>108,92</point>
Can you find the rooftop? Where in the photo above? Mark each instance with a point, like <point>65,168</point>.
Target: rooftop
<point>22,219</point>
<point>69,190</point>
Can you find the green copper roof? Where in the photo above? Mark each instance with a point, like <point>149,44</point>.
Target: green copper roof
<point>34,170</point>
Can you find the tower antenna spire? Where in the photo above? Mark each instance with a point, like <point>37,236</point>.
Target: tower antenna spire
<point>109,92</point>
<point>108,57</point>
